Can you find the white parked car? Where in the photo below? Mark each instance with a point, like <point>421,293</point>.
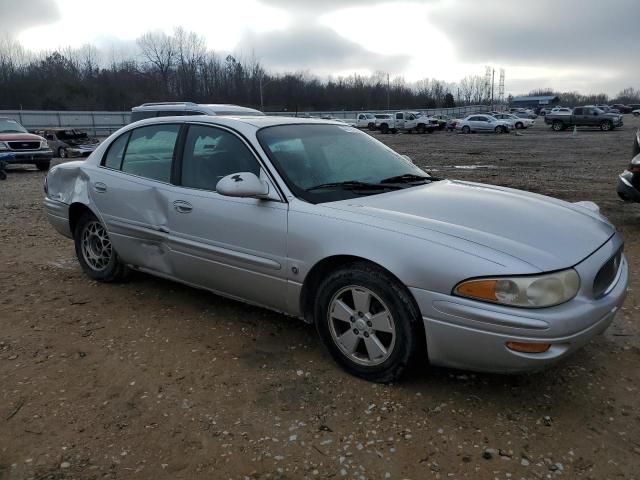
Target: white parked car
<point>365,120</point>
<point>636,113</point>
<point>515,121</point>
<point>385,119</point>
<point>561,111</point>
<point>408,122</point>
<point>483,123</point>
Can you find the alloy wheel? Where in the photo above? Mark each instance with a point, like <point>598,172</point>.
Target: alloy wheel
<point>96,246</point>
<point>361,325</point>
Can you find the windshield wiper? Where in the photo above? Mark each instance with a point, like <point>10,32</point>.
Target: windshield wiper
<point>353,185</point>
<point>408,178</point>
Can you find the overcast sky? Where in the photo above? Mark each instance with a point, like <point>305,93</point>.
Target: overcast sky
<point>586,45</point>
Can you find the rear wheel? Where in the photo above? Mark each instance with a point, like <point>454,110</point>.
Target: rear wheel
<point>466,129</point>
<point>43,166</point>
<point>499,129</point>
<point>62,152</point>
<point>557,126</point>
<point>368,322</point>
<point>384,128</point>
<point>95,253</point>
<point>519,125</point>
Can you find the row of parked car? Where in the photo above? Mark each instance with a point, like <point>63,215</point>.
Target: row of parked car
<point>616,108</point>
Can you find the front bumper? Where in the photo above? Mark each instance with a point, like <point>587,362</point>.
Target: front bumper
<point>466,334</point>
<point>29,156</point>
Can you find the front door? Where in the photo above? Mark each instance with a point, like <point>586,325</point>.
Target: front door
<point>235,246</point>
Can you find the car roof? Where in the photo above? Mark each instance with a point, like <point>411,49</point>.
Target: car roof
<point>217,108</point>
<point>241,122</point>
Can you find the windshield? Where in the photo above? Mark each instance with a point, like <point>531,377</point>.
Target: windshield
<point>310,155</point>
<point>11,126</point>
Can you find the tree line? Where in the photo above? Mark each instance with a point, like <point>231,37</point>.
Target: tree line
<point>179,67</point>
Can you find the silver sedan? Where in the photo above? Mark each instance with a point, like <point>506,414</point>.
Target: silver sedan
<point>322,222</point>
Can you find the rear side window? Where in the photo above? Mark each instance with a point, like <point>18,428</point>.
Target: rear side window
<point>578,111</point>
<point>150,151</point>
<point>113,158</point>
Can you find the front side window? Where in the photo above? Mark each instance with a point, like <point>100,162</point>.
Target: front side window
<point>398,116</point>
<point>212,153</point>
<point>310,155</point>
<point>150,151</point>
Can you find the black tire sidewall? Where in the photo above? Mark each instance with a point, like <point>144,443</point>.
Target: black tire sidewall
<point>398,301</point>
<point>115,269</point>
<point>43,166</point>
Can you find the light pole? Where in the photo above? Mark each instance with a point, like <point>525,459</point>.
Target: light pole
<point>262,85</point>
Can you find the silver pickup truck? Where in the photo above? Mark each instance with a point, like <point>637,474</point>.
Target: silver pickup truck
<point>588,116</point>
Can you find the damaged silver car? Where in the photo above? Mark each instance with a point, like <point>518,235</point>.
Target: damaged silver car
<point>320,221</point>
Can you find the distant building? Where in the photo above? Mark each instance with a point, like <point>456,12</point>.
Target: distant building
<point>534,102</point>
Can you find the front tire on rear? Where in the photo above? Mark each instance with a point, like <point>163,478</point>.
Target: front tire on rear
<point>95,253</point>
<point>368,322</point>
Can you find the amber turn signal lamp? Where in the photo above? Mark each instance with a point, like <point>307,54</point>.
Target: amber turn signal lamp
<point>484,289</point>
<point>528,347</point>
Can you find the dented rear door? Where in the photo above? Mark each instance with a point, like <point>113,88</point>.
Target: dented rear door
<point>132,196</point>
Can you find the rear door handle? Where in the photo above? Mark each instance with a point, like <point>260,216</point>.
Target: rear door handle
<point>182,206</point>
<point>100,187</point>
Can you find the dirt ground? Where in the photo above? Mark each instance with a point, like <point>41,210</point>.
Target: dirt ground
<point>152,380</point>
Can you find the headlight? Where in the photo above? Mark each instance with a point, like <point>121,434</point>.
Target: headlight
<point>44,143</point>
<point>3,146</point>
<point>536,291</point>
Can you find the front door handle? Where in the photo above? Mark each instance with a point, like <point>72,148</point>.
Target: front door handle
<point>182,206</point>
<point>100,187</point>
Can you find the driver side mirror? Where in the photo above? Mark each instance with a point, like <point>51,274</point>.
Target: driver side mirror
<point>243,184</point>
<point>407,158</point>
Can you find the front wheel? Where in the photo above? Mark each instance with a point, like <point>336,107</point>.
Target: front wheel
<point>606,126</point>
<point>62,152</point>
<point>95,253</point>
<point>384,128</point>
<point>519,125</point>
<point>466,129</point>
<point>557,126</point>
<point>499,129</point>
<point>368,322</point>
<point>421,129</point>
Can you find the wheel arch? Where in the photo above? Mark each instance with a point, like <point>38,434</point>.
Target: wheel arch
<point>327,265</point>
<point>76,210</point>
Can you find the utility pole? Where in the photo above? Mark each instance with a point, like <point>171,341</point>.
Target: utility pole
<point>493,82</point>
<point>261,98</point>
<point>388,92</point>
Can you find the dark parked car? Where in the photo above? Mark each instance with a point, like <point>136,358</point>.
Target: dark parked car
<point>584,117</point>
<point>622,108</point>
<point>69,142</point>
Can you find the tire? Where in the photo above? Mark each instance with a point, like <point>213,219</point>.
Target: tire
<point>384,128</point>
<point>499,129</point>
<point>62,152</point>
<point>606,126</point>
<point>371,126</point>
<point>95,253</point>
<point>557,126</point>
<point>466,129</point>
<point>636,114</point>
<point>342,299</point>
<point>421,129</point>
<point>43,166</point>
<point>519,125</point>
<point>394,130</point>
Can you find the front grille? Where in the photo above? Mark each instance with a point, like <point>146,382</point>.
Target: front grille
<point>607,274</point>
<point>26,145</point>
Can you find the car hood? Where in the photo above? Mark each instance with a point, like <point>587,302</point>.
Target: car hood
<point>546,233</point>
<point>19,137</point>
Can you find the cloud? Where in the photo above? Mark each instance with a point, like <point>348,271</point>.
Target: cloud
<point>18,16</point>
<point>318,49</point>
<point>544,32</point>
